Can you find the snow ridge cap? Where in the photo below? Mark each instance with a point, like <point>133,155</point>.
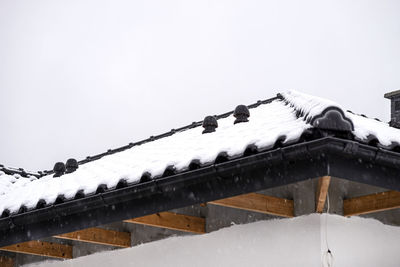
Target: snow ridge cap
<point>307,106</point>
<point>319,112</point>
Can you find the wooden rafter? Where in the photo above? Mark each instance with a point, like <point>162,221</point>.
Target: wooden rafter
<point>40,248</point>
<point>322,191</point>
<point>371,203</point>
<point>173,221</point>
<point>6,262</point>
<point>259,203</point>
<point>99,236</point>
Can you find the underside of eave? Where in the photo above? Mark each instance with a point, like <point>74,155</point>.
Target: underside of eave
<point>291,164</point>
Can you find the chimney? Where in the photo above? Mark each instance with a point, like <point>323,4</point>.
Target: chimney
<point>394,107</point>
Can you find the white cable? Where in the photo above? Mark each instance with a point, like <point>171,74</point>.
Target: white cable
<point>327,259</point>
<point>326,220</point>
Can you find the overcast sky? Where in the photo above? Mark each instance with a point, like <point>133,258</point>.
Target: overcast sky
<point>80,77</point>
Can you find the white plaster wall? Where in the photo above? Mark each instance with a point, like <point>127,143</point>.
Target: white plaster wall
<point>286,242</point>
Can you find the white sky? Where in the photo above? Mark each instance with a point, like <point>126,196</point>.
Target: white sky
<point>79,77</point>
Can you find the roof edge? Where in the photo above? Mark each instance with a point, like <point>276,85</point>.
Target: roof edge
<point>392,94</point>
<point>291,164</point>
<point>320,113</point>
<point>19,171</point>
<point>160,136</point>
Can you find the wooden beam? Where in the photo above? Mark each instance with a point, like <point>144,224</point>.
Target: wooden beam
<point>322,191</point>
<point>259,203</point>
<point>40,248</point>
<point>100,236</point>
<point>172,221</point>
<point>371,203</point>
<point>6,262</point>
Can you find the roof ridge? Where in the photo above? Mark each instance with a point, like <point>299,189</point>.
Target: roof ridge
<point>319,112</point>
<point>160,136</point>
<point>308,106</point>
<point>365,116</point>
<point>20,171</point>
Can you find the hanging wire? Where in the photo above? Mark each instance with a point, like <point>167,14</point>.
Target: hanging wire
<point>327,259</point>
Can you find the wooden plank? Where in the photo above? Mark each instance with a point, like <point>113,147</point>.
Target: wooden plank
<point>371,203</point>
<point>6,262</point>
<point>173,221</point>
<point>322,191</point>
<point>259,203</point>
<point>100,236</point>
<point>40,248</point>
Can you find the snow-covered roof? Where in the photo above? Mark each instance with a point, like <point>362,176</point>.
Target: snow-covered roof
<point>284,119</point>
<point>9,182</point>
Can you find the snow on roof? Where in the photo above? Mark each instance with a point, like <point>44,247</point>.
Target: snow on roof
<point>365,129</point>
<point>284,118</point>
<point>9,182</point>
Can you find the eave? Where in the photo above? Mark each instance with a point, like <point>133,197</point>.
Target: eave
<point>327,156</point>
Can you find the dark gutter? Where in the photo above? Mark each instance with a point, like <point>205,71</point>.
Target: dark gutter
<point>327,156</point>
